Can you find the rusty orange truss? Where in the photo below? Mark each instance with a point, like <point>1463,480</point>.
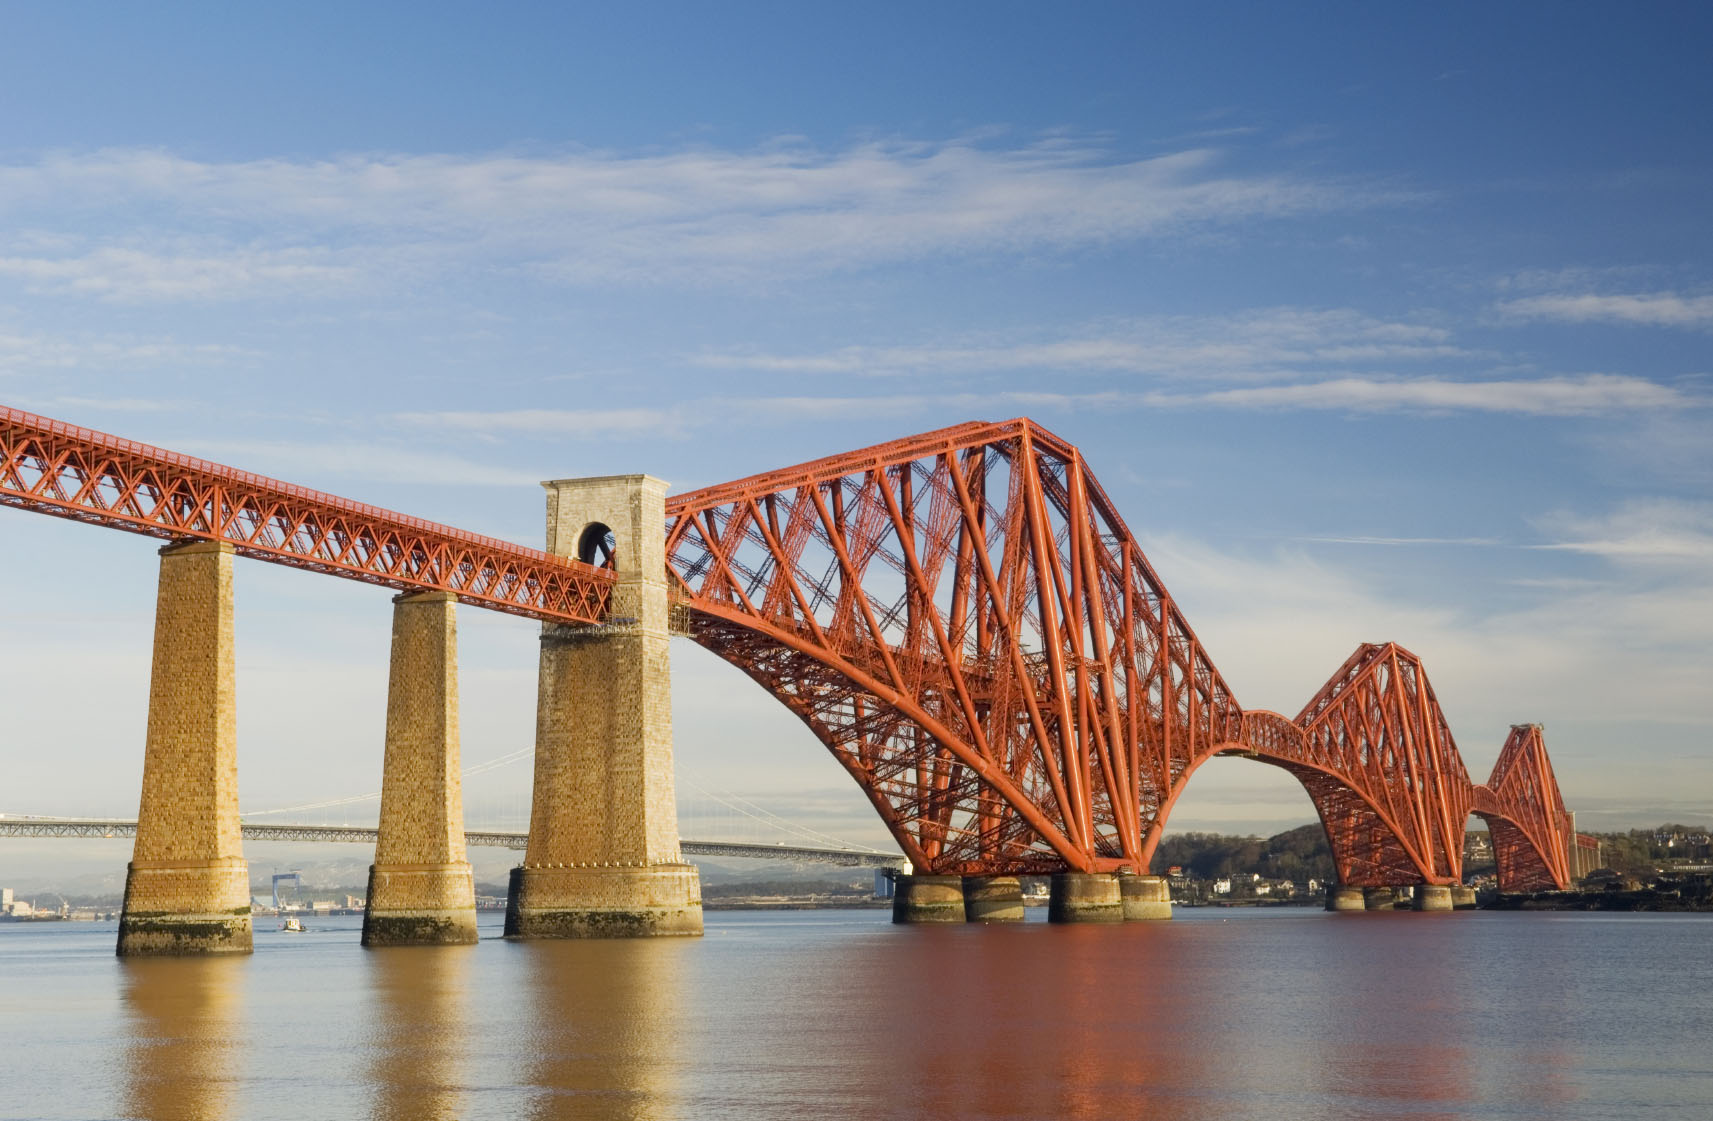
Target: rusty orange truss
<point>961,617</point>
<point>1531,831</point>
<point>967,624</point>
<point>55,468</point>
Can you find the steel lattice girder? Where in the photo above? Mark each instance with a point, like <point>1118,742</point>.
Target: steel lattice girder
<point>54,468</point>
<point>965,622</point>
<point>961,617</point>
<point>1525,815</point>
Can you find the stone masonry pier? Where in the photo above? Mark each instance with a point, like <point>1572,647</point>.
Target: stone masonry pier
<point>187,890</point>
<point>603,857</point>
<point>421,891</point>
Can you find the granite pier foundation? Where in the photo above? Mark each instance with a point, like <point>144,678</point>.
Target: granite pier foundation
<point>1379,899</point>
<point>1145,898</point>
<point>1433,897</point>
<point>928,899</point>
<point>993,898</point>
<point>421,892</point>
<point>187,889</point>
<point>1084,897</point>
<point>603,858</point>
<point>1343,897</point>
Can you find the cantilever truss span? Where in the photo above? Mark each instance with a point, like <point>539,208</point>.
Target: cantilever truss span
<point>961,617</point>
<point>967,624</point>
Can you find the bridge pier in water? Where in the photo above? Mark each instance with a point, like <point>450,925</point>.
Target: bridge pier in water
<point>1379,898</point>
<point>1084,897</point>
<point>421,891</point>
<point>603,858</point>
<point>1145,898</point>
<point>187,888</point>
<point>993,898</point>
<point>1433,897</point>
<point>1343,897</point>
<point>928,899</point>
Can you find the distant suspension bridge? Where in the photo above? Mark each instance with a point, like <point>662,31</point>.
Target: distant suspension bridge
<point>31,826</point>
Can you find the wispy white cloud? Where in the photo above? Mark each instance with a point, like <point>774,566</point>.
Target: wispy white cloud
<point>111,404</point>
<point>680,419</point>
<point>1675,446</point>
<point>132,275</point>
<point>1261,344</point>
<point>368,461</point>
<point>1401,541</point>
<point>589,216</point>
<point>1650,309</point>
<point>845,408</point>
<point>566,422</point>
<point>35,351</point>
<point>1546,397</point>
<point>1579,655</point>
<point>1656,531</point>
<point>1589,394</point>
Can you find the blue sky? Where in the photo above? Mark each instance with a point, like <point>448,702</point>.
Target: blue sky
<point>1377,323</point>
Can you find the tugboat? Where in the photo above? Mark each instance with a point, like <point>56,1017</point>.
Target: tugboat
<point>291,926</point>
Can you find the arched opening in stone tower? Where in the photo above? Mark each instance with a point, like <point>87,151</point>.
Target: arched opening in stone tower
<point>597,545</point>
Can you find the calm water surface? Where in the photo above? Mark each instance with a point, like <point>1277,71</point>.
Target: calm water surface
<point>1217,1014</point>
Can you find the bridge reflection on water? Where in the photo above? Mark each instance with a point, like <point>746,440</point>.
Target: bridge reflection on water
<point>1246,1015</point>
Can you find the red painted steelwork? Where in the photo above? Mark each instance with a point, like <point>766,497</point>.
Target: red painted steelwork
<point>961,617</point>
<point>965,622</point>
<point>55,468</point>
<point>1531,831</point>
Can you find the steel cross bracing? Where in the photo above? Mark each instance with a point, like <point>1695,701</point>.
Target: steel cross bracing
<point>56,468</point>
<point>961,617</point>
<point>1531,831</point>
<point>966,623</point>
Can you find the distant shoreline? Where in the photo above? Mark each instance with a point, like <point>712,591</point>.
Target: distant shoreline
<point>796,904</point>
<point>1646,899</point>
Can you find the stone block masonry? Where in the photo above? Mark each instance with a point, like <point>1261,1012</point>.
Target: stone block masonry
<point>187,890</point>
<point>421,891</point>
<point>603,858</point>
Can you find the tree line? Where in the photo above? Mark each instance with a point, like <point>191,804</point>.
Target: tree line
<point>1297,854</point>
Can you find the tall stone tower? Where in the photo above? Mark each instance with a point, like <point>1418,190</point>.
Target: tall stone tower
<point>603,857</point>
<point>187,890</point>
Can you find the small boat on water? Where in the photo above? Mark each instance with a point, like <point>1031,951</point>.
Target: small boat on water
<point>292,926</point>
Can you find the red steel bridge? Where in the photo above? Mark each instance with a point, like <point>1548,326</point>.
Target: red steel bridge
<point>961,617</point>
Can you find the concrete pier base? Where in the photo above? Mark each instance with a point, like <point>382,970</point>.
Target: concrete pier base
<point>1462,897</point>
<point>928,899</point>
<point>1084,897</point>
<point>186,907</point>
<point>421,892</point>
<point>420,906</point>
<point>1343,897</point>
<point>1433,897</point>
<point>1145,898</point>
<point>1379,898</point>
<point>993,899</point>
<point>187,889</point>
<point>637,902</point>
